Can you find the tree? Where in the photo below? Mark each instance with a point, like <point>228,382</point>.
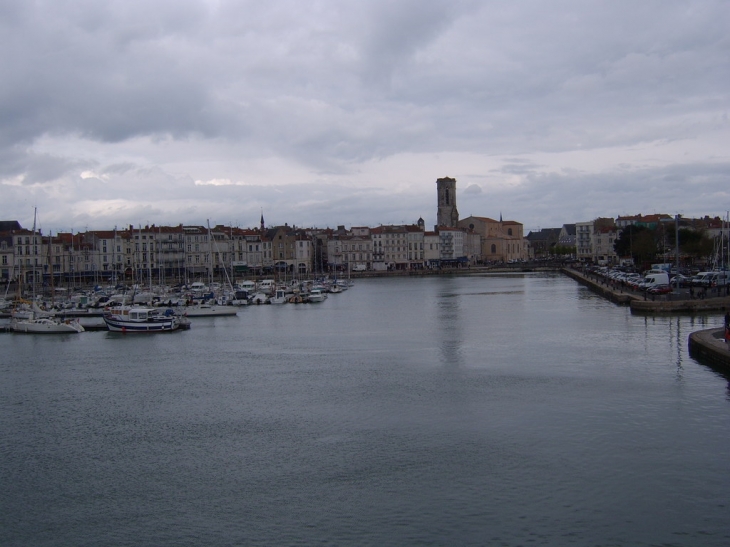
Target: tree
<point>637,242</point>
<point>562,250</point>
<point>695,243</point>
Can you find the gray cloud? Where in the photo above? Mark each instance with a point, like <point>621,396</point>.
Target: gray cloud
<point>117,108</point>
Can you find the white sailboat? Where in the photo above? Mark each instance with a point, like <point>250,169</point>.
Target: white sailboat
<point>46,325</point>
<point>35,321</point>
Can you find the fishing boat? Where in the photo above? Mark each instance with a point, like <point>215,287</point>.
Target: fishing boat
<point>129,319</point>
<point>279,297</point>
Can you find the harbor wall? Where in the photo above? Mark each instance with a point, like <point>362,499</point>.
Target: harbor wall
<point>617,296</point>
<point>710,346</point>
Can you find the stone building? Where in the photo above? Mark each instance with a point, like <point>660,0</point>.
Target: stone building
<point>501,240</point>
<point>447,214</point>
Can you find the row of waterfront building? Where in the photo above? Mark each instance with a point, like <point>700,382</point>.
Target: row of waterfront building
<point>188,252</point>
<point>593,241</point>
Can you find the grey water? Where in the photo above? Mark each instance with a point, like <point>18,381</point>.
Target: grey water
<point>474,410</point>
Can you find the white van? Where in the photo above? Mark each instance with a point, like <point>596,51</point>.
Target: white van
<point>711,279</point>
<point>654,278</point>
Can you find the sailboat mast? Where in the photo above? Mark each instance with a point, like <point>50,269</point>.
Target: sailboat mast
<point>35,250</point>
<point>210,255</point>
<point>50,267</point>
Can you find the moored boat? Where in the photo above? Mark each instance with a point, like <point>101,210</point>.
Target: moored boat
<point>208,310</point>
<point>139,319</point>
<point>316,295</point>
<point>46,325</point>
<point>279,298</point>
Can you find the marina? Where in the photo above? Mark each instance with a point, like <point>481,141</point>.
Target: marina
<point>167,308</point>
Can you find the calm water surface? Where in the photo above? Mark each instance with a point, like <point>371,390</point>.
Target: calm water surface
<point>485,410</point>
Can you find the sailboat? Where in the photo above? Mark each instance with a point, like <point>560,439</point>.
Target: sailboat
<point>36,321</point>
<point>46,325</point>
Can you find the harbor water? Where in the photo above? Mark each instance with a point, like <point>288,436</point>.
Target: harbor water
<point>475,410</point>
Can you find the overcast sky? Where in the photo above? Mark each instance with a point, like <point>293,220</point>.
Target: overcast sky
<point>346,112</point>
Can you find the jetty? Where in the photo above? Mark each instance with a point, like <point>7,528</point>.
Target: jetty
<point>641,303</point>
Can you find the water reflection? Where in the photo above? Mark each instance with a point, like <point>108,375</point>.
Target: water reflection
<point>676,340</point>
<point>448,324</point>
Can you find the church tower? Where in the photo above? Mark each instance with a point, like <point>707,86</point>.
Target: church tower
<point>447,214</point>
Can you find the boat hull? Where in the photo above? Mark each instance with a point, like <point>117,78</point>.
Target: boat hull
<point>164,325</point>
<point>46,326</point>
<point>209,311</point>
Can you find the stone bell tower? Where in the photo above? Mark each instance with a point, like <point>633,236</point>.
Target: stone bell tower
<point>447,214</point>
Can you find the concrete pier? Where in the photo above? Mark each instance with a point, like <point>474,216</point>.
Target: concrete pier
<point>640,305</point>
<point>613,294</point>
<point>710,346</point>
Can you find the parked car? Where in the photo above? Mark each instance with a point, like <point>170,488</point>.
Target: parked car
<point>659,289</point>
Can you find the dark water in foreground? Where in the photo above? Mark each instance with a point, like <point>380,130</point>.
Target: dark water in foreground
<point>515,410</point>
